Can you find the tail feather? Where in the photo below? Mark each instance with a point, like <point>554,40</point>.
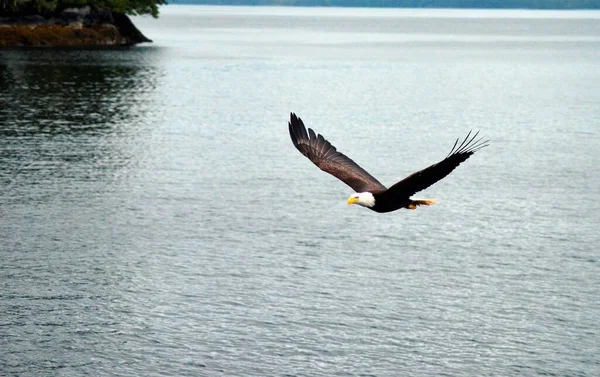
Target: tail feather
<point>421,202</point>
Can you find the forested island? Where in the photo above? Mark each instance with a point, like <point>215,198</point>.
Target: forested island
<point>481,4</point>
<point>72,22</point>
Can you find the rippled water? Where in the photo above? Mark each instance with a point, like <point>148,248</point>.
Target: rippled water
<point>155,218</point>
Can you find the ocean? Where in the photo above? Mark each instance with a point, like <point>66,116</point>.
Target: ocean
<point>155,218</point>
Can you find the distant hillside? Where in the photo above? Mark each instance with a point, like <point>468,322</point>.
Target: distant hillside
<point>502,4</point>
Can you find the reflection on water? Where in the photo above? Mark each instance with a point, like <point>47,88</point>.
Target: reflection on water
<point>69,113</point>
<point>73,128</point>
<point>86,91</point>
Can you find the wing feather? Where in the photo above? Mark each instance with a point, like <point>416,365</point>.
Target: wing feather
<point>327,158</point>
<point>424,178</point>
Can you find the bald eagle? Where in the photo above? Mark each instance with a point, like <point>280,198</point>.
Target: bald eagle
<point>369,192</point>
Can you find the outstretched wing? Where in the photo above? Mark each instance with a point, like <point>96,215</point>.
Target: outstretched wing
<point>422,179</point>
<point>328,159</point>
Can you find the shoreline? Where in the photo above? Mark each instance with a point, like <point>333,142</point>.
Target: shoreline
<point>73,27</point>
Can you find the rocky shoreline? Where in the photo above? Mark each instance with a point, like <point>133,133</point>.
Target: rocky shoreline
<point>72,27</point>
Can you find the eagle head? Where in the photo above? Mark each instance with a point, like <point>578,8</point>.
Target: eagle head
<point>365,199</point>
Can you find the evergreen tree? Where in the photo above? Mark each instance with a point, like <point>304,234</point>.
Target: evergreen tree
<point>27,7</point>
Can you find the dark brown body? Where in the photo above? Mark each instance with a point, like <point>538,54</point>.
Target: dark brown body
<point>383,204</point>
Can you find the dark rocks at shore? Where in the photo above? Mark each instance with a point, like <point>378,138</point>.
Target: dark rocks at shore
<point>85,26</point>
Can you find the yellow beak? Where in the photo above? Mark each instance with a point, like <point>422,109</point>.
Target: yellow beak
<point>352,200</point>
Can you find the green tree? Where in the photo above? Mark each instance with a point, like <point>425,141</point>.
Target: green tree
<point>131,7</point>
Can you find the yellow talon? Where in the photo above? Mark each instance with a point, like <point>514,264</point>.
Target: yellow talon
<point>412,206</point>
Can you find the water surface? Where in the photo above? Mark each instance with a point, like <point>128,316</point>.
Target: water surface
<point>155,218</point>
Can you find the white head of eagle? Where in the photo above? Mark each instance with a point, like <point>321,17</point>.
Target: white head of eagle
<point>365,199</point>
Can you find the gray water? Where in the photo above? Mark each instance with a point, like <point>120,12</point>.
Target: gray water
<point>155,218</point>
